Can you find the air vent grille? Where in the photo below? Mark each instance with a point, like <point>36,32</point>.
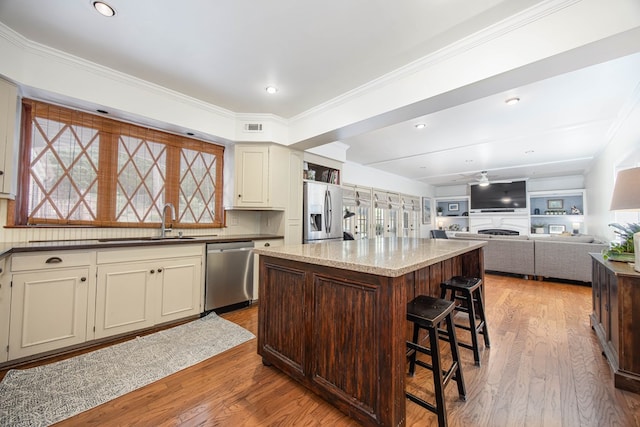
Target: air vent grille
<point>253,127</point>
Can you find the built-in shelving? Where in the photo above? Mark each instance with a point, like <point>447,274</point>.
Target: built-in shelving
<point>315,172</point>
<point>557,211</point>
<point>452,213</point>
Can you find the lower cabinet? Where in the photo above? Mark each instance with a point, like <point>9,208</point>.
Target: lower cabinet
<point>5,309</point>
<point>53,300</point>
<point>256,259</point>
<point>616,304</point>
<point>54,311</point>
<point>144,287</point>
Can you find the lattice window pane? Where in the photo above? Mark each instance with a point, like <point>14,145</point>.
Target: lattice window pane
<point>64,172</point>
<point>197,186</point>
<point>141,180</point>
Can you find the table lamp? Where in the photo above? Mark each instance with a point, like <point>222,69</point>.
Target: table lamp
<point>626,197</point>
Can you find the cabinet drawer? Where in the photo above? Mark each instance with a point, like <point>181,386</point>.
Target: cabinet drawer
<point>146,253</point>
<point>267,243</point>
<point>46,260</point>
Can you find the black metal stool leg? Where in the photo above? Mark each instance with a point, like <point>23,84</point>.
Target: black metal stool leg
<point>412,358</point>
<point>455,355</point>
<point>473,327</point>
<point>485,331</point>
<point>437,376</point>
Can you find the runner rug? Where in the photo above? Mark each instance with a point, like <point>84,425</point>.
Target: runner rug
<point>50,393</point>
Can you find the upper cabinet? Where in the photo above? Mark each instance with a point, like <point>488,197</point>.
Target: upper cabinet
<point>8,124</point>
<point>261,173</point>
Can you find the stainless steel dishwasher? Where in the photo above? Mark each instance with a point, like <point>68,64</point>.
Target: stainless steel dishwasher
<point>229,278</point>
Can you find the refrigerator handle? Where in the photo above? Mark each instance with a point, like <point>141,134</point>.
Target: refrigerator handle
<point>328,210</point>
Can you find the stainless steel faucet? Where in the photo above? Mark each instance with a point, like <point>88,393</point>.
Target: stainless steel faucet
<point>164,229</point>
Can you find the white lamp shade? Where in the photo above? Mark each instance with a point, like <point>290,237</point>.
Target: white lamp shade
<point>626,196</point>
<point>626,193</point>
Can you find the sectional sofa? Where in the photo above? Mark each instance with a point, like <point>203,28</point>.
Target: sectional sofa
<point>559,257</point>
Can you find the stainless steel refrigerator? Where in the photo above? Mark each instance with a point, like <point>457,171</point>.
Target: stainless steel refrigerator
<point>322,212</point>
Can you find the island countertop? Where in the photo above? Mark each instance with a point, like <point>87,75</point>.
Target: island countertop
<point>390,257</point>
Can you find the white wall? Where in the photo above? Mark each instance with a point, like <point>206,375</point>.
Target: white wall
<point>622,151</point>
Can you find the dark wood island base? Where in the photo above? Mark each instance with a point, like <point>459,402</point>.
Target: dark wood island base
<point>341,332</point>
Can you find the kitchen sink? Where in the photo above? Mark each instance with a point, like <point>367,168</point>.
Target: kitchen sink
<point>137,239</point>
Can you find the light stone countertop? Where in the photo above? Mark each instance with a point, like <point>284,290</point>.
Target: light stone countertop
<point>390,257</point>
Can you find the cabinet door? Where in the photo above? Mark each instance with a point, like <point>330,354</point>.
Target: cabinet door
<point>124,298</point>
<point>179,286</point>
<point>8,108</point>
<point>49,311</point>
<point>252,176</point>
<point>5,304</point>
<point>256,262</point>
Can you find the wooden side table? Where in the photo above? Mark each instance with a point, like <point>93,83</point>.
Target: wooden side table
<point>616,318</point>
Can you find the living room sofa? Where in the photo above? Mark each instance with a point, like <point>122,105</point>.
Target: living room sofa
<point>559,257</point>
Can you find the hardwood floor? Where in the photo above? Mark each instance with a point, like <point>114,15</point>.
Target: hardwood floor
<point>544,368</point>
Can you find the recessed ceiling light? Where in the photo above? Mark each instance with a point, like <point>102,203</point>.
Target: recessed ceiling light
<point>512,101</point>
<point>271,89</point>
<point>104,9</point>
<point>420,125</point>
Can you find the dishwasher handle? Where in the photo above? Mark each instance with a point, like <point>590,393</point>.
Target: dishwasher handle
<point>214,248</point>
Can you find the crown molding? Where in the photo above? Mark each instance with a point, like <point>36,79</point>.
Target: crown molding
<point>28,46</point>
<point>492,32</point>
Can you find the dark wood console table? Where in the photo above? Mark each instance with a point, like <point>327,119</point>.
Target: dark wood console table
<point>333,315</point>
<point>616,319</point>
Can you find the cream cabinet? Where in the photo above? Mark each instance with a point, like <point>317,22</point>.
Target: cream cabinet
<point>293,233</point>
<point>143,287</point>
<point>5,305</point>
<point>256,265</point>
<point>261,173</point>
<point>179,288</point>
<point>50,301</point>
<point>8,123</point>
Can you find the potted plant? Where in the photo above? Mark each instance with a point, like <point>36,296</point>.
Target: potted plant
<point>622,250</point>
<point>439,210</point>
<point>538,228</point>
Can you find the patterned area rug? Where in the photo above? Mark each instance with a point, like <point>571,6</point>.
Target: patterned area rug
<point>50,393</point>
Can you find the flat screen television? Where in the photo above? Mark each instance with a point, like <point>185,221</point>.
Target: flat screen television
<point>499,196</point>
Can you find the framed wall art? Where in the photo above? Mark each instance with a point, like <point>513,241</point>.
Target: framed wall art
<point>555,204</point>
<point>426,210</point>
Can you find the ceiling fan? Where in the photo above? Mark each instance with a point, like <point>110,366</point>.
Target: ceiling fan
<point>483,181</point>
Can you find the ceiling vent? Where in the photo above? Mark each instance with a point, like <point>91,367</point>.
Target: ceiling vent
<point>253,127</point>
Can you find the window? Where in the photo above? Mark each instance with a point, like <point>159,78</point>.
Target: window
<point>81,169</point>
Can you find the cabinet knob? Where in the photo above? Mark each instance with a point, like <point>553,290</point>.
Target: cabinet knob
<point>239,196</point>
<point>1,173</point>
<point>83,279</point>
<point>0,270</point>
<point>152,271</point>
<point>159,270</point>
<point>267,244</point>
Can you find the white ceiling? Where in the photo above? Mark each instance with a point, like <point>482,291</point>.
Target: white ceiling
<point>226,53</point>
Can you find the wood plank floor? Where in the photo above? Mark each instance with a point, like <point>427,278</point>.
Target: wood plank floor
<point>544,368</point>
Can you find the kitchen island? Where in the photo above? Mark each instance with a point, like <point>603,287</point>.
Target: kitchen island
<point>333,315</point>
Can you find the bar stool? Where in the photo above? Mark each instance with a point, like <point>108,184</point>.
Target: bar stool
<point>469,290</point>
<point>427,313</point>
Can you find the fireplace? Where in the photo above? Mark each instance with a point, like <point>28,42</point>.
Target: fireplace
<point>502,224</point>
